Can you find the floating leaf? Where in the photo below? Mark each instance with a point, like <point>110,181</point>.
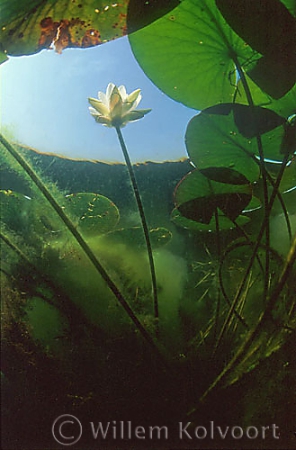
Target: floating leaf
<point>261,24</point>
<point>141,13</point>
<point>251,121</point>
<point>189,54</point>
<point>285,106</point>
<point>95,213</point>
<point>224,175</point>
<point>275,76</point>
<point>197,198</point>
<point>28,27</point>
<point>269,28</point>
<point>214,140</point>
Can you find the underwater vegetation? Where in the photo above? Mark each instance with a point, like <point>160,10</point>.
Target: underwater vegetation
<point>181,300</point>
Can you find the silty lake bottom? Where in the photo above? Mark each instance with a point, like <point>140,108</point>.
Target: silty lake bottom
<point>69,346</point>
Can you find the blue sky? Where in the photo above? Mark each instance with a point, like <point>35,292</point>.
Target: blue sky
<point>44,105</point>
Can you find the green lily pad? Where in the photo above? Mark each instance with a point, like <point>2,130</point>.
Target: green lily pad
<point>189,54</point>
<point>251,121</point>
<point>134,236</point>
<point>197,198</point>
<point>224,223</point>
<point>215,140</point>
<point>95,214</point>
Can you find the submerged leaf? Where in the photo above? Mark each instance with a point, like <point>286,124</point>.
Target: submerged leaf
<point>197,198</point>
<point>224,223</point>
<point>213,141</point>
<point>95,213</point>
<point>215,138</point>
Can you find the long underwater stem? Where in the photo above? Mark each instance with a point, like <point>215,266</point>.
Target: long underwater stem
<point>85,247</point>
<point>266,315</point>
<point>143,218</point>
<point>264,176</point>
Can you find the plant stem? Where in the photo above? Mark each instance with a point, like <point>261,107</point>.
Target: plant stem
<point>85,247</point>
<point>264,318</point>
<point>143,218</point>
<point>264,176</point>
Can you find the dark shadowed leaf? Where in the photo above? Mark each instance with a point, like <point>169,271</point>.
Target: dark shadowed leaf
<point>224,175</point>
<point>224,222</point>
<point>275,75</point>
<point>285,106</point>
<point>267,25</point>
<point>269,28</point>
<point>141,13</point>
<point>197,198</point>
<point>214,139</point>
<point>251,121</point>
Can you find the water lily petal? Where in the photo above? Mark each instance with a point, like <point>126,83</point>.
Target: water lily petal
<point>115,104</point>
<point>134,96</point>
<point>123,93</point>
<point>109,91</point>
<point>104,121</point>
<point>136,115</point>
<point>103,97</point>
<point>100,107</point>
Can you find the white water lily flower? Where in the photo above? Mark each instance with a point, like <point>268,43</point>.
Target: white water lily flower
<point>116,108</point>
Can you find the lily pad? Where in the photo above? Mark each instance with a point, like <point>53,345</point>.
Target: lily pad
<point>94,213</point>
<point>261,24</point>
<point>190,54</point>
<point>28,27</point>
<point>285,106</point>
<point>197,198</point>
<point>215,140</point>
<point>251,121</point>
<point>269,28</point>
